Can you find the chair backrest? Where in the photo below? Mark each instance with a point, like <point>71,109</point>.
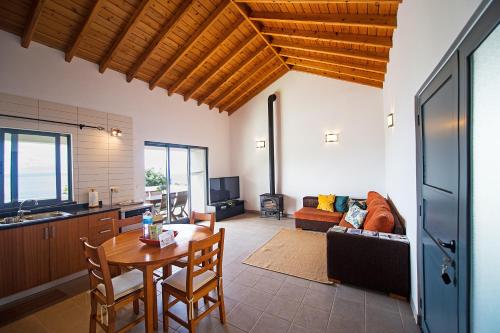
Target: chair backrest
<point>210,259</point>
<point>163,202</point>
<point>197,217</point>
<point>182,198</point>
<point>98,268</point>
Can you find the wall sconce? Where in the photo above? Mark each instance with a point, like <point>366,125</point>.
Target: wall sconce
<point>116,132</point>
<point>259,144</point>
<point>331,137</point>
<point>390,120</point>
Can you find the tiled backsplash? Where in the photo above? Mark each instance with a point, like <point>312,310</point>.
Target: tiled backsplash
<point>99,160</point>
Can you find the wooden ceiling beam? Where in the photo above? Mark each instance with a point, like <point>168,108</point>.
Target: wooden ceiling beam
<point>34,17</point>
<point>363,55</point>
<point>352,20</point>
<point>319,2</point>
<point>252,87</point>
<point>217,68</point>
<point>244,11</point>
<point>341,62</point>
<point>165,30</point>
<point>187,46</point>
<point>138,14</point>
<point>254,55</point>
<point>70,53</point>
<point>337,37</point>
<point>266,84</point>
<point>337,69</point>
<point>342,77</point>
<point>229,32</point>
<point>231,90</point>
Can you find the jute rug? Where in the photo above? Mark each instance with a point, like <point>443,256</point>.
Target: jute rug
<point>294,252</point>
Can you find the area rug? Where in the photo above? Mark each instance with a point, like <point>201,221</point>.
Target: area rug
<point>293,252</point>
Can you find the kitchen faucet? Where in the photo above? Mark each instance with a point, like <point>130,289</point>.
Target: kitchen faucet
<point>21,212</point>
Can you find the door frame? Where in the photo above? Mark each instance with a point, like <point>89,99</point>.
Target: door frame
<point>480,25</point>
<point>167,146</point>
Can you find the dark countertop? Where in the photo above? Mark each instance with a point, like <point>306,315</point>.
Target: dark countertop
<point>74,210</point>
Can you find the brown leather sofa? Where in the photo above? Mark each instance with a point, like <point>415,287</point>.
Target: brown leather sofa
<point>369,262</point>
<point>310,218</point>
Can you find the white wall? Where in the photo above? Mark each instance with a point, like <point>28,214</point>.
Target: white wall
<point>308,106</point>
<point>426,29</point>
<point>40,72</point>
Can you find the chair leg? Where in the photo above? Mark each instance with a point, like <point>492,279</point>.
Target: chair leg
<point>136,306</point>
<point>190,309</point>
<point>222,309</point>
<point>111,320</point>
<point>165,299</point>
<point>93,313</point>
<point>155,308</point>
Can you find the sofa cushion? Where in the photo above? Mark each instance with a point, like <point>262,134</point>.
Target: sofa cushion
<point>372,195</point>
<point>356,216</point>
<point>379,202</point>
<point>325,202</point>
<point>313,214</point>
<point>358,202</point>
<point>344,223</point>
<point>341,204</point>
<point>380,220</point>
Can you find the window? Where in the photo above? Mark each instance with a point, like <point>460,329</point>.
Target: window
<point>34,165</point>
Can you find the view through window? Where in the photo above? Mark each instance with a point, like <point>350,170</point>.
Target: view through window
<point>176,179</point>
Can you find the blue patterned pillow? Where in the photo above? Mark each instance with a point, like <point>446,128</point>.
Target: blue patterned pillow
<point>356,216</point>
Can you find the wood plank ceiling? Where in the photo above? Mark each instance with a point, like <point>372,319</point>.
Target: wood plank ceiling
<point>218,52</point>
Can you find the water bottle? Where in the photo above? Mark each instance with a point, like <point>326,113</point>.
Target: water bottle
<point>147,220</point>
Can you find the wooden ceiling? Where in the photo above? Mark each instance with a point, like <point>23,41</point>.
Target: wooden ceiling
<point>220,53</point>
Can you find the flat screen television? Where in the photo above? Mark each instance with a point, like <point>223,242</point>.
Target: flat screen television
<point>224,188</point>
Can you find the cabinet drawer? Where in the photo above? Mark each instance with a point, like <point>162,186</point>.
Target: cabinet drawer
<point>102,218</point>
<point>102,227</point>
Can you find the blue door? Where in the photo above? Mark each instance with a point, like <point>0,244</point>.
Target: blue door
<point>439,206</point>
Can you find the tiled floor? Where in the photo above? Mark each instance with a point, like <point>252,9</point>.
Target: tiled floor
<point>257,300</point>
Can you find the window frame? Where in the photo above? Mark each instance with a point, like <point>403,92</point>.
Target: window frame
<point>14,202</point>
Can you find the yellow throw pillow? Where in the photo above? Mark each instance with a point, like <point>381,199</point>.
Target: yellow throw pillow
<point>325,202</point>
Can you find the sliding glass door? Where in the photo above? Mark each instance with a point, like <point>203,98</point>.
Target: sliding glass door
<point>176,179</point>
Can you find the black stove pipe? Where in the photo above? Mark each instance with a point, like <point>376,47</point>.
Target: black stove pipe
<point>270,118</point>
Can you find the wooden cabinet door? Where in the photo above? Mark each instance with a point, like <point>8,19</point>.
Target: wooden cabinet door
<point>11,261</point>
<point>66,253</point>
<point>36,255</point>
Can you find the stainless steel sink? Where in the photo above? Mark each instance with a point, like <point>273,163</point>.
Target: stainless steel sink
<point>43,216</point>
<point>34,217</point>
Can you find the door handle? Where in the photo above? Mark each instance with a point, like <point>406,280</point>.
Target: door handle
<point>46,233</point>
<point>450,245</point>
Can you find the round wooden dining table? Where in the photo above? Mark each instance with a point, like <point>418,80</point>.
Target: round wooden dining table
<point>127,250</point>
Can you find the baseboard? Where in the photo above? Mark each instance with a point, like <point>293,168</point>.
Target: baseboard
<point>40,288</point>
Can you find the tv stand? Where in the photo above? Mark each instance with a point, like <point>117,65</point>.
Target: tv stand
<point>227,209</point>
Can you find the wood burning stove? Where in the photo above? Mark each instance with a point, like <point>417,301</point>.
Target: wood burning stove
<point>271,204</point>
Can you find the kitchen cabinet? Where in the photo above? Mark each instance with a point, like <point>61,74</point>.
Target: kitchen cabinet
<point>36,254</point>
<point>66,253</point>
<point>24,258</point>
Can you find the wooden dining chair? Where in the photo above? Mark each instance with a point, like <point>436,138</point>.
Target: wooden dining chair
<point>195,219</point>
<point>195,281</point>
<point>108,294</point>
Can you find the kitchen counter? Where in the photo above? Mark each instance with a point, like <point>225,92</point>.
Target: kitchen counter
<point>73,210</point>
